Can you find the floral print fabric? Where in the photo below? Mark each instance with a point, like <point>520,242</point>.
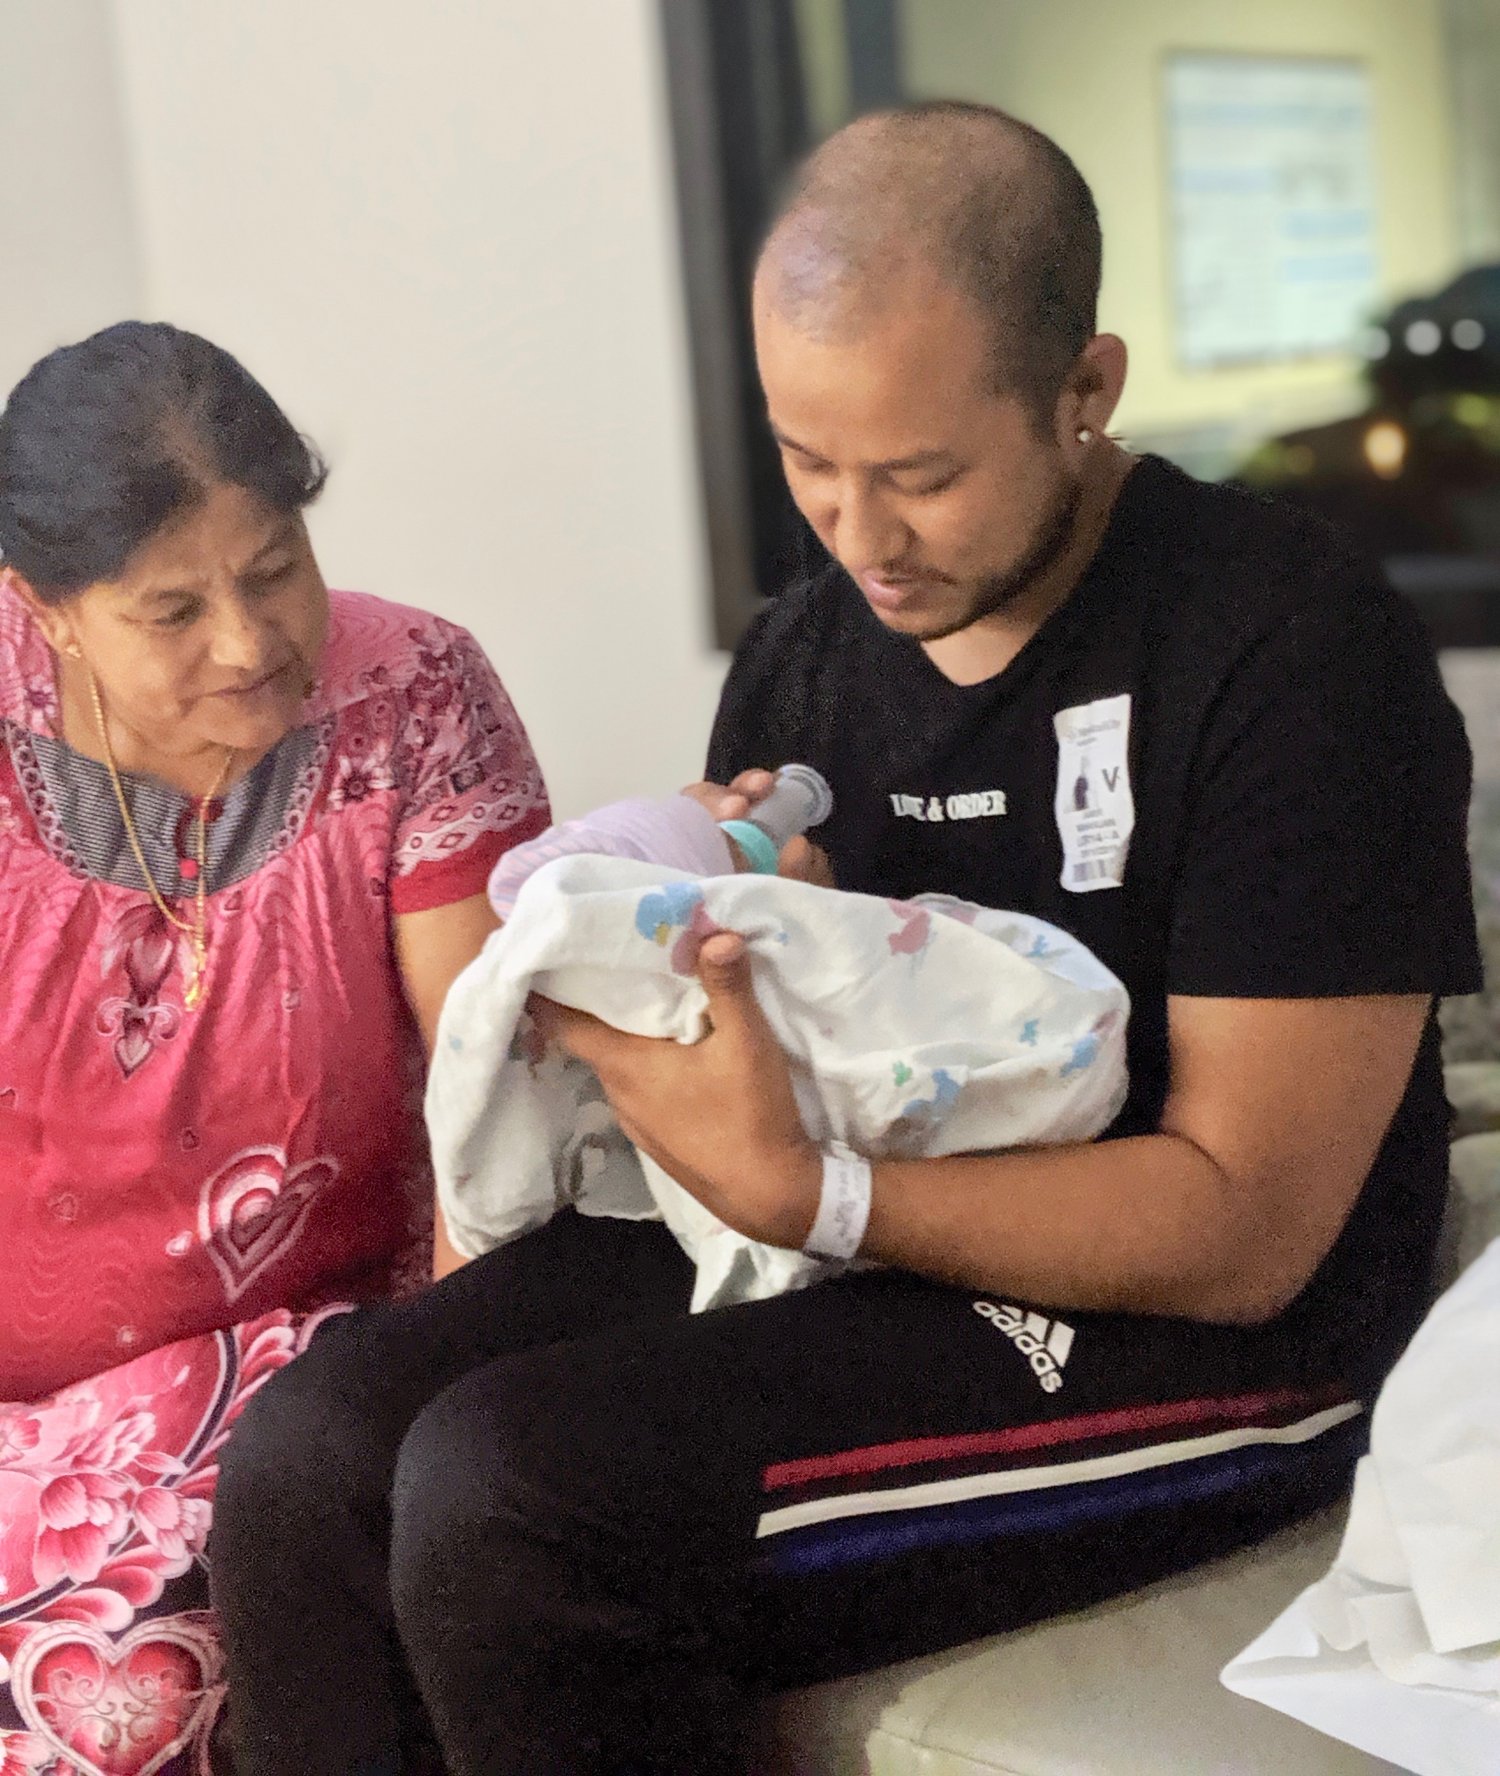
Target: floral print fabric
<point>183,1194</point>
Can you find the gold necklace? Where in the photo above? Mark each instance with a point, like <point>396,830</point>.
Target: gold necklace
<point>197,932</point>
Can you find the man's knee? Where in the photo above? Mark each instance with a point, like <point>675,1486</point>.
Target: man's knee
<point>450,1484</point>
<point>300,1442</point>
<point>577,1449</point>
<point>497,1464</point>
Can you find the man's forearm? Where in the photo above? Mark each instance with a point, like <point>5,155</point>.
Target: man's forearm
<point>1148,1225</point>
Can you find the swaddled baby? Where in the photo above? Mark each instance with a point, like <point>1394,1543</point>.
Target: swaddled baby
<point>912,1028</point>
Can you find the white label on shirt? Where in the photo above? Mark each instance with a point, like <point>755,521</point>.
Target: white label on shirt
<point>1094,805</point>
<point>979,804</point>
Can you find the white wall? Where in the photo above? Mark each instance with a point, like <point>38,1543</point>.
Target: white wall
<point>442,234</point>
<point>67,254</point>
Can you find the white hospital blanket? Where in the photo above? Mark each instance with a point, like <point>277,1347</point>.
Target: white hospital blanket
<point>1397,1650</point>
<point>912,1028</point>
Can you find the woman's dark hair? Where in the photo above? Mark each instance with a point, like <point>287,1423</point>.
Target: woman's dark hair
<point>104,441</point>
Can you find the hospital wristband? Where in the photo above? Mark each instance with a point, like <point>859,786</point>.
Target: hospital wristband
<point>760,852</point>
<point>843,1205</point>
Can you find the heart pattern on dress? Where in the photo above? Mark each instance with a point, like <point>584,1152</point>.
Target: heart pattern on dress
<point>115,1707</point>
<point>252,1210</point>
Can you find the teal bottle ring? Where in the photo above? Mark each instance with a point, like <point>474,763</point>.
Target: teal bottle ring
<point>760,853</point>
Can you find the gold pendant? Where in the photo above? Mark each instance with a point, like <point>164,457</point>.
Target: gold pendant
<point>193,993</point>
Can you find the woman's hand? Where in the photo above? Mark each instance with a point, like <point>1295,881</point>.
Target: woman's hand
<point>717,1115</point>
<point>446,1257</point>
<point>432,950</point>
<point>800,861</point>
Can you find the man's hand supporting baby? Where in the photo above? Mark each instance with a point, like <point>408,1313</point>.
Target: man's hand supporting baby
<point>717,1115</point>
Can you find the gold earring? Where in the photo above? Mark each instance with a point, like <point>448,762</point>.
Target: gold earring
<point>73,651</point>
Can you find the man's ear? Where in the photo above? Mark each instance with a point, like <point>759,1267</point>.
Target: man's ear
<point>1094,387</point>
<point>54,620</point>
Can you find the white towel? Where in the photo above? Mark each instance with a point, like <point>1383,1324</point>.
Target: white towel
<point>1397,1650</point>
<point>912,1028</point>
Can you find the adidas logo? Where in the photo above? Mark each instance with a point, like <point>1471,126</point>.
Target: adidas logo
<point>1045,1344</point>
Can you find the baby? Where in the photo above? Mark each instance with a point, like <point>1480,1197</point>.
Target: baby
<point>910,1027</point>
<point>676,831</point>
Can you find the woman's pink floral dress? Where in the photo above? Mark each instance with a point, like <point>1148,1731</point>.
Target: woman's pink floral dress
<point>185,1194</point>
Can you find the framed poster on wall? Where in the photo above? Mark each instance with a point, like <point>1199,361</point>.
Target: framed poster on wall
<point>1273,206</point>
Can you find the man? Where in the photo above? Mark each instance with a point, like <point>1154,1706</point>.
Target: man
<point>1194,730</point>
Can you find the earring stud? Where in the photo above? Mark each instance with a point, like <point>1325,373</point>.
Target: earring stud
<point>1085,434</point>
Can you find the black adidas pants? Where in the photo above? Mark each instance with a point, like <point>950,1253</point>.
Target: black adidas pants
<point>547,1519</point>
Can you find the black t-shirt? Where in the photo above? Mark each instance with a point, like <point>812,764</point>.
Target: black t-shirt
<point>1227,764</point>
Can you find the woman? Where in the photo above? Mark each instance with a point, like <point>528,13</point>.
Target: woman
<point>245,828</point>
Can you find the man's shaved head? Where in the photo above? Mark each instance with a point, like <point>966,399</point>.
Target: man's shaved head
<point>962,193</point>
